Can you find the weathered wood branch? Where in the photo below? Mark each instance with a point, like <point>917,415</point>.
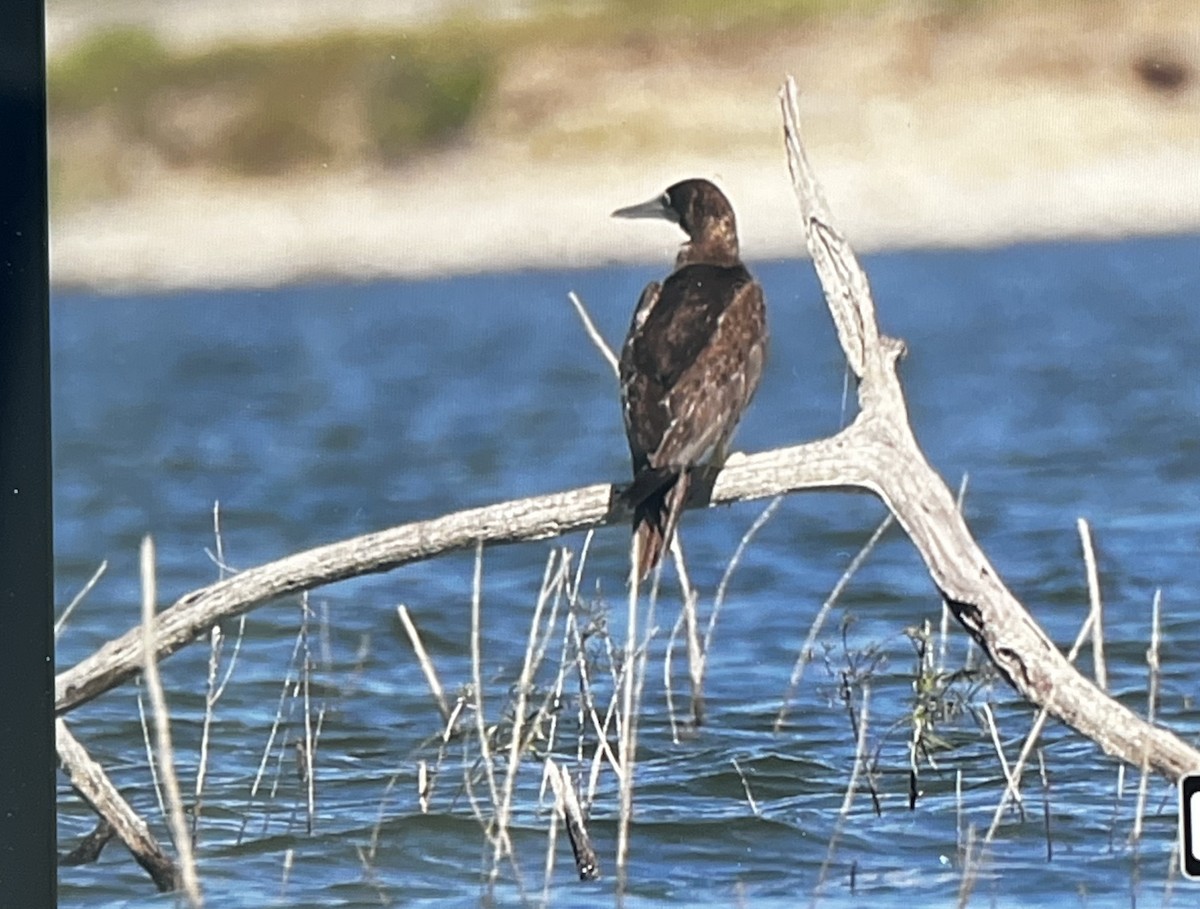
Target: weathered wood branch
<point>924,507</point>
<point>835,462</point>
<point>91,782</point>
<point>877,453</point>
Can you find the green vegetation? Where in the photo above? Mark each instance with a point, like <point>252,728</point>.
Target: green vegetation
<point>263,109</point>
<point>122,99</point>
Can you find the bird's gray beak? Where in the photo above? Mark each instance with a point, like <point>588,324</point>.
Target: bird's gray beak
<point>655,208</point>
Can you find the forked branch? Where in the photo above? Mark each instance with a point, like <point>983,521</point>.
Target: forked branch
<point>877,453</point>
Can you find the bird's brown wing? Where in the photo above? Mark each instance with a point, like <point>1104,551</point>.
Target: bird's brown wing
<point>687,395</point>
<point>690,365</point>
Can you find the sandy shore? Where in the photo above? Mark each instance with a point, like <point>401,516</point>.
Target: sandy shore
<point>925,130</point>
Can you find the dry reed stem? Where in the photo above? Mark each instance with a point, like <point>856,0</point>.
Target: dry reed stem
<point>79,597</point>
<point>566,805</point>
<point>1093,585</point>
<point>1154,673</point>
<point>959,846</point>
<point>970,869</point>
<point>274,731</point>
<point>1011,782</point>
<point>860,759</point>
<point>166,754</point>
<point>734,561</point>
<point>594,333</point>
<point>214,655</point>
<point>497,835</point>
<point>1045,804</point>
<point>1018,768</point>
<point>149,748</point>
<point>691,630</point>
<point>805,655</point>
<point>309,753</point>
<point>627,717</point>
<point>426,664</point>
<point>524,683</point>
<point>746,786</point>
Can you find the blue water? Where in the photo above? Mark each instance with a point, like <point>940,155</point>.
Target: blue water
<point>1062,378</point>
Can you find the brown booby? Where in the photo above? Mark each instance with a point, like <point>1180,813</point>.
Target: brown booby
<point>691,362</point>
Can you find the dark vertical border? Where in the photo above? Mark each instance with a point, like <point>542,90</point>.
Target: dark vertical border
<point>27,761</point>
<point>1189,847</point>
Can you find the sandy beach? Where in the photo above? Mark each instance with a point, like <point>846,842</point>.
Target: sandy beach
<point>1011,124</point>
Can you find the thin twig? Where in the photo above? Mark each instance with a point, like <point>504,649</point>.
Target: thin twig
<point>166,755</point>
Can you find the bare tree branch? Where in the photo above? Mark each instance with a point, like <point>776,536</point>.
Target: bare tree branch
<point>91,782</point>
<point>877,453</point>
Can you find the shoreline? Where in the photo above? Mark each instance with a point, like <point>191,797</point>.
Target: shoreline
<point>188,233</point>
<point>925,131</point>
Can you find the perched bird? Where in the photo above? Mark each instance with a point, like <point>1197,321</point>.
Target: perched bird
<point>691,362</point>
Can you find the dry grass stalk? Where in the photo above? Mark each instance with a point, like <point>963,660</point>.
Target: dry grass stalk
<point>497,835</point>
<point>149,748</point>
<point>628,733</point>
<point>307,750</point>
<point>1045,804</point>
<point>166,754</point>
<point>1035,731</point>
<point>210,696</point>
<point>284,694</point>
<point>746,786</point>
<point>1097,607</point>
<point>553,579</point>
<point>805,655</point>
<point>566,805</point>
<point>1011,781</point>
<point>1154,674</point>
<point>594,333</point>
<point>214,689</point>
<point>970,869</point>
<point>79,597</point>
<point>860,760</point>
<point>691,629</point>
<point>422,655</point>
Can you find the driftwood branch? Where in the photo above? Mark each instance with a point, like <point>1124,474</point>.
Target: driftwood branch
<point>90,781</point>
<point>877,453</point>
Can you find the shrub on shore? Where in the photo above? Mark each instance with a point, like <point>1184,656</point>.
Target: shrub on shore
<point>258,109</point>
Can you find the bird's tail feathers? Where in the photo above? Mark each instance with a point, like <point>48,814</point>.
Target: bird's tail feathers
<point>655,519</point>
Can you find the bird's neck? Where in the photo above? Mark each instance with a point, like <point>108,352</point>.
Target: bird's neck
<point>696,253</point>
<point>716,243</point>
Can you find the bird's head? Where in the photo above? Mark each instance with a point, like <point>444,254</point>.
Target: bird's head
<point>701,210</point>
